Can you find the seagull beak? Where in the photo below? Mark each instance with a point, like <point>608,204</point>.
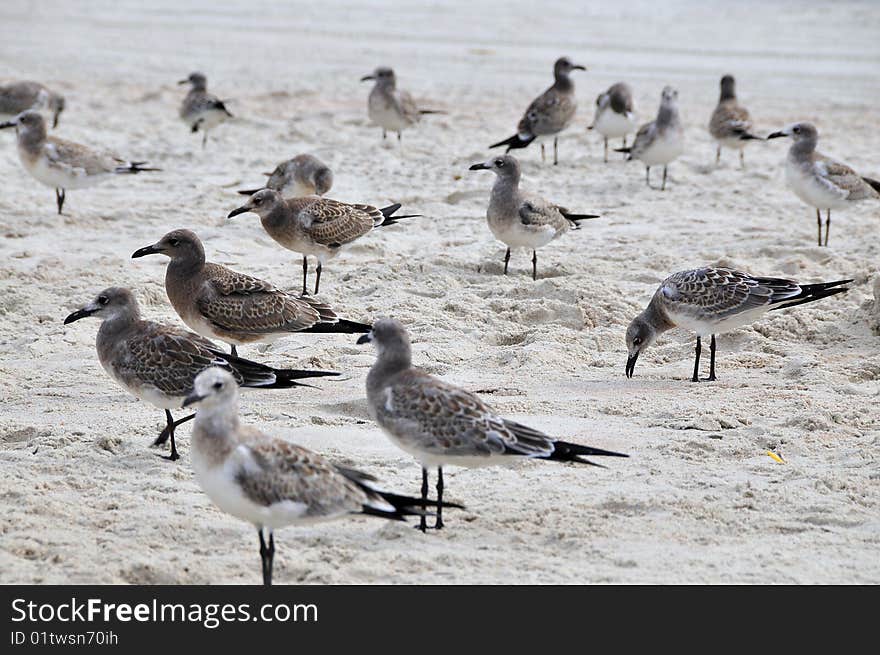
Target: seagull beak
<point>55,120</point>
<point>367,77</point>
<point>78,314</point>
<point>365,338</point>
<point>775,135</point>
<point>192,398</point>
<point>578,67</point>
<point>631,364</point>
<point>183,82</point>
<point>240,210</point>
<point>267,174</point>
<point>3,126</point>
<point>147,250</point>
<point>479,167</point>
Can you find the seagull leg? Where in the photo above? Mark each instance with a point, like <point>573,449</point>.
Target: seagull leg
<point>606,149</point>
<point>506,260</point>
<point>423,523</point>
<point>742,159</point>
<point>711,377</point>
<point>718,155</point>
<point>204,138</point>
<point>398,137</point>
<point>819,224</point>
<point>648,176</point>
<point>317,277</point>
<point>169,430</point>
<point>555,151</point>
<point>59,199</point>
<point>696,377</point>
<point>233,352</point>
<point>305,274</point>
<point>543,158</point>
<point>267,553</point>
<point>663,186</point>
<point>827,226</point>
<point>438,525</point>
<point>534,264</point>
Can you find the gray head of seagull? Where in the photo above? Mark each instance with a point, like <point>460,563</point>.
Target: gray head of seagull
<point>639,335</point>
<point>390,339</point>
<point>179,245</point>
<point>27,121</point>
<point>728,87</point>
<point>213,388</point>
<point>504,166</point>
<point>668,96</point>
<point>261,203</point>
<point>384,77</point>
<point>563,66</point>
<point>110,303</point>
<point>197,80</point>
<point>800,132</point>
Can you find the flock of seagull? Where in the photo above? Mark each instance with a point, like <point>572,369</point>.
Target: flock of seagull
<point>270,482</point>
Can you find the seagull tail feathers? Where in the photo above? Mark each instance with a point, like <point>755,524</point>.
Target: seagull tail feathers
<point>134,167</point>
<point>873,183</point>
<point>514,142</point>
<point>811,292</point>
<point>389,218</point>
<point>575,219</point>
<point>565,451</point>
<point>342,326</point>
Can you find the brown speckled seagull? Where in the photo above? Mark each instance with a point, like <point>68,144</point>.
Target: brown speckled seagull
<point>712,301</point>
<point>272,483</point>
<point>61,164</point>
<point>316,226</point>
<point>730,124</point>
<point>157,363</point>
<point>440,424</point>
<point>219,303</point>
<point>549,114</point>
<point>16,97</point>
<point>303,175</point>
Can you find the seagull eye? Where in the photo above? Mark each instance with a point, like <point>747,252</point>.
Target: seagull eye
<point>174,242</point>
<point>103,300</point>
<point>637,341</point>
<point>499,163</point>
<point>796,130</point>
<point>218,385</point>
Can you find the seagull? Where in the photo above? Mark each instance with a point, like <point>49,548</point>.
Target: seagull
<point>615,117</point>
<point>391,108</point>
<point>316,226</point>
<point>17,97</point>
<point>219,303</point>
<point>731,124</point>
<point>660,141</point>
<point>440,424</point>
<point>304,175</point>
<point>521,220</point>
<point>158,363</point>
<point>270,482</point>
<point>712,301</point>
<point>61,164</point>
<point>550,113</point>
<point>201,110</point>
<point>820,181</point>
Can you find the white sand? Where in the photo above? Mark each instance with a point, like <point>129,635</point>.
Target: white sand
<point>84,499</point>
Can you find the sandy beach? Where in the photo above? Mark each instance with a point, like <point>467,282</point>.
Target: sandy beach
<point>84,499</point>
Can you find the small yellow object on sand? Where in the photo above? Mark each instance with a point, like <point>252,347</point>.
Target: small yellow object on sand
<point>775,457</point>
